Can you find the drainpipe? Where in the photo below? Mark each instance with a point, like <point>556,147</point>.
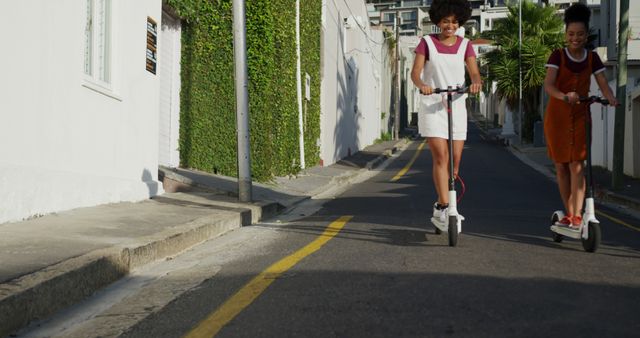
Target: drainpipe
<point>299,85</point>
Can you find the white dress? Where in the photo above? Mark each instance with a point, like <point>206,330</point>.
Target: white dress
<point>441,71</point>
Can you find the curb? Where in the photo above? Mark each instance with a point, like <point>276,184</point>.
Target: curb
<point>38,295</point>
<point>621,199</point>
<point>381,158</point>
<point>179,182</point>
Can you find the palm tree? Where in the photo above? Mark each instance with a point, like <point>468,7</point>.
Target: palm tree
<point>542,32</point>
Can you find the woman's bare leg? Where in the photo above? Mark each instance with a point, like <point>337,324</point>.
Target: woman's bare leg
<point>576,199</point>
<point>564,185</point>
<point>440,154</point>
<point>458,146</point>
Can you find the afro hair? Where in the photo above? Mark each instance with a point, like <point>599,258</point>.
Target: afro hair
<point>443,8</point>
<point>577,13</point>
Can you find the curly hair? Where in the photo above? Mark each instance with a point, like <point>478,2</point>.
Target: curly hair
<point>443,8</point>
<point>577,13</point>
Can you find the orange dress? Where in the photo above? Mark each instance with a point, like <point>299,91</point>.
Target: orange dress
<point>564,124</point>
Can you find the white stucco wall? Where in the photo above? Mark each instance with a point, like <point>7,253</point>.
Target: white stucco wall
<point>383,59</point>
<point>65,145</point>
<point>350,108</point>
<point>408,45</point>
<point>604,128</point>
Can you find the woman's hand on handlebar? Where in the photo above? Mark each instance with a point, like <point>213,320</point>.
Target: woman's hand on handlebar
<point>475,88</point>
<point>571,98</point>
<point>612,101</point>
<point>426,90</point>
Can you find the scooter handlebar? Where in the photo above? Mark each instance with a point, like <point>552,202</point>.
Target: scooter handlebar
<point>454,90</point>
<point>594,99</point>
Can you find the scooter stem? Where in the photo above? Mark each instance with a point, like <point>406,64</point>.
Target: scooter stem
<point>589,192</point>
<point>450,118</point>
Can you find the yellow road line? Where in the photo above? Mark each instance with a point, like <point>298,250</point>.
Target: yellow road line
<point>617,220</point>
<point>408,166</point>
<point>210,326</point>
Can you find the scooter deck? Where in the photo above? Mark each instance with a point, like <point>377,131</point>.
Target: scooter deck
<point>566,231</point>
<point>444,226</point>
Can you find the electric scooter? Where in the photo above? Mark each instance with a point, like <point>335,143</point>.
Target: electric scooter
<point>589,231</point>
<point>453,225</point>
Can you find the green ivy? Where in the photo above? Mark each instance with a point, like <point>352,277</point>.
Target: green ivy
<point>208,140</point>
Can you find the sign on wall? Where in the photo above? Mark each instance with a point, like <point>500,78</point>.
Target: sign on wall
<point>152,45</point>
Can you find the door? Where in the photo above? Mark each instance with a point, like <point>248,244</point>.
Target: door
<point>169,71</point>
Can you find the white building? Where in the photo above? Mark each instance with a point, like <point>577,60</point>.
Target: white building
<point>605,21</point>
<point>353,62</point>
<point>491,12</point>
<point>81,103</point>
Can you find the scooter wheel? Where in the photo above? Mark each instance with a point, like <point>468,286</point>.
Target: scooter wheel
<point>592,243</point>
<point>453,230</point>
<point>556,236</point>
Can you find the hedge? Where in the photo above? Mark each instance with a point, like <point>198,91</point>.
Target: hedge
<point>208,140</point>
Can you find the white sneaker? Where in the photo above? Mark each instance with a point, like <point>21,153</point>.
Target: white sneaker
<point>440,214</point>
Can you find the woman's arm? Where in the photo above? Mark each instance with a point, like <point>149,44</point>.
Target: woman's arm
<point>416,74</point>
<point>474,74</point>
<point>553,91</point>
<point>604,87</point>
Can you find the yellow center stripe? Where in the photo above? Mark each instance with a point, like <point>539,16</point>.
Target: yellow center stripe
<point>619,221</point>
<point>210,326</point>
<point>408,166</point>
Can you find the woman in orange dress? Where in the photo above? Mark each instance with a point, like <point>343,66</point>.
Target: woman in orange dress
<point>568,79</point>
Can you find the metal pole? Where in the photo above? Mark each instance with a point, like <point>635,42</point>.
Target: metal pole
<point>396,122</point>
<point>617,177</point>
<point>487,101</point>
<point>520,112</point>
<point>242,101</point>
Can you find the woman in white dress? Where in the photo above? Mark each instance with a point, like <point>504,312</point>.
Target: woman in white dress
<point>440,62</point>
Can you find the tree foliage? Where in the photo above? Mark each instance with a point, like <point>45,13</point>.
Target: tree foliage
<point>542,32</point>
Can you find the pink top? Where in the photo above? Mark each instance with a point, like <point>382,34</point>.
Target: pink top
<point>444,49</point>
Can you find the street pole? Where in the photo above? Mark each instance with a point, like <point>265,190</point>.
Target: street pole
<point>520,113</point>
<point>299,88</point>
<point>396,120</point>
<point>617,176</point>
<point>242,101</point>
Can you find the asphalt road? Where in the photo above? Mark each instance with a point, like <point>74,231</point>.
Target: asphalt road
<point>385,273</point>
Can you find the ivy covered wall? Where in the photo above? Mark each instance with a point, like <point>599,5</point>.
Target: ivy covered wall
<point>208,140</point>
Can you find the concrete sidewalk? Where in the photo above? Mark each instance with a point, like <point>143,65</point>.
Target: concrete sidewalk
<point>55,261</point>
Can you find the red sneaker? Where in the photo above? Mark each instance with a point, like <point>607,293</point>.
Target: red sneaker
<point>576,221</point>
<point>565,221</point>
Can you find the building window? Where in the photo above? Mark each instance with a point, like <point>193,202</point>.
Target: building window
<point>409,16</point>
<point>97,36</point>
<point>412,3</point>
<point>389,17</point>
